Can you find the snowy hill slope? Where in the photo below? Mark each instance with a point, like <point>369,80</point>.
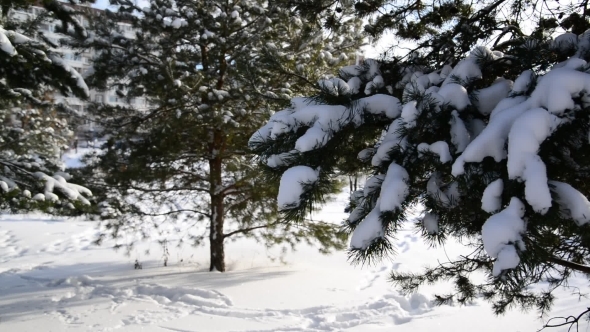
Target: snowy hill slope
<point>53,279</point>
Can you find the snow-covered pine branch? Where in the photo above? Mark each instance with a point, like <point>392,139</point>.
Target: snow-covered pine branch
<point>479,145</point>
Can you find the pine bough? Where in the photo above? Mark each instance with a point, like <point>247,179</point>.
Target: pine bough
<point>497,159</point>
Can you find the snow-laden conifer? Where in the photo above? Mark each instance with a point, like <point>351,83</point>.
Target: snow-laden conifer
<point>492,149</point>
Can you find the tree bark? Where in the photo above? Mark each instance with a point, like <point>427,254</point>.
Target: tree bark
<point>217,252</point>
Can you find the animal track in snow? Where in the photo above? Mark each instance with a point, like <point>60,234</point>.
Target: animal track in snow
<point>372,276</point>
<point>77,242</point>
<point>406,242</point>
<point>8,247</point>
<point>5,238</point>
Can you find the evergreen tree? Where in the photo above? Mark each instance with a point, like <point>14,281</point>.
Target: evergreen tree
<point>211,72</point>
<point>33,129</point>
<point>436,33</point>
<point>492,149</point>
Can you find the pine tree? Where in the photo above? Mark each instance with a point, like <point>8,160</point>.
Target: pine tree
<point>210,71</point>
<point>436,33</point>
<point>492,149</point>
<point>33,129</point>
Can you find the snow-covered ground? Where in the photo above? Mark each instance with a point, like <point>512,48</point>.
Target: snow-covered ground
<point>53,279</point>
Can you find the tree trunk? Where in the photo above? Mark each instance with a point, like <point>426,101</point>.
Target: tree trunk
<point>216,235</point>
<point>217,207</point>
